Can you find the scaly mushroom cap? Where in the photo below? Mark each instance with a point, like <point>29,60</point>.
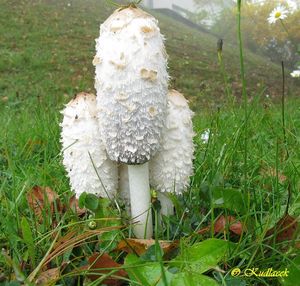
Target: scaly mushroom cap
<point>172,166</point>
<point>131,84</point>
<point>84,154</point>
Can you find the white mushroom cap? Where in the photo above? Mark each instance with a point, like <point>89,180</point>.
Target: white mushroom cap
<point>84,154</point>
<point>131,84</point>
<point>172,166</point>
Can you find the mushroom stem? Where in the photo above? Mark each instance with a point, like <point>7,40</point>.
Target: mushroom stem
<point>140,200</point>
<point>167,207</point>
<point>124,193</point>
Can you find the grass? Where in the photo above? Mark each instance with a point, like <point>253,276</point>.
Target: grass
<point>50,44</point>
<point>46,52</point>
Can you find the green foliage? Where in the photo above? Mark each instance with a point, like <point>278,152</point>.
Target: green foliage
<point>89,201</point>
<point>104,215</point>
<point>192,279</point>
<point>149,273</point>
<point>185,269</point>
<point>293,273</point>
<point>152,253</point>
<point>233,200</point>
<point>143,272</point>
<point>28,239</point>
<point>202,256</point>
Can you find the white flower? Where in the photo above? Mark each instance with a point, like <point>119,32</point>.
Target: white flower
<point>279,12</point>
<point>205,136</point>
<point>295,73</point>
<point>292,6</point>
<point>69,4</point>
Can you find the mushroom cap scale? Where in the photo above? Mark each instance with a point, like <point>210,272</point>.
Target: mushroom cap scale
<point>84,155</point>
<point>131,84</point>
<point>172,166</point>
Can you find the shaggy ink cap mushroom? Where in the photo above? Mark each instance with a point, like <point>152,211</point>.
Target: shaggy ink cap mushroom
<point>131,83</point>
<point>84,155</point>
<point>172,166</point>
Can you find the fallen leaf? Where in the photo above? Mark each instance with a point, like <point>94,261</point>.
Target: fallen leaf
<point>284,229</point>
<point>140,246</point>
<point>204,230</point>
<point>221,223</point>
<point>237,228</point>
<point>43,199</point>
<point>233,225</point>
<point>103,264</point>
<point>49,277</point>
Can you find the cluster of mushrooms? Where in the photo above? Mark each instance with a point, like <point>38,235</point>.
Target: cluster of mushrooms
<point>135,133</point>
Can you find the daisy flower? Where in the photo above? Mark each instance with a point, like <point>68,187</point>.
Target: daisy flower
<point>279,12</point>
<point>295,73</point>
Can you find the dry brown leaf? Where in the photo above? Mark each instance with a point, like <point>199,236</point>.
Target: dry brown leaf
<point>43,199</point>
<point>140,246</point>
<point>204,230</point>
<point>64,239</point>
<point>49,277</point>
<point>103,264</point>
<point>284,229</point>
<point>221,223</point>
<point>237,228</point>
<point>233,225</point>
<point>73,239</point>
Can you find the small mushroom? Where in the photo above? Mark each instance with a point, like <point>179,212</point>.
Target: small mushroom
<point>84,155</point>
<point>131,133</point>
<point>172,166</point>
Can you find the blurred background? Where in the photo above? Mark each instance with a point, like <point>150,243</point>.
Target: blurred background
<point>47,46</point>
<point>218,17</point>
